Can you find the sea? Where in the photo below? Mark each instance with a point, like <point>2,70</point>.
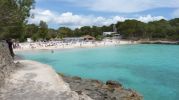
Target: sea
<point>150,69</point>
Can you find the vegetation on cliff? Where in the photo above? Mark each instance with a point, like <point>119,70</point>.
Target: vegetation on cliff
<point>13,17</point>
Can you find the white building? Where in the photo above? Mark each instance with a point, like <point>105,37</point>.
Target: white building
<point>108,33</point>
<point>29,40</point>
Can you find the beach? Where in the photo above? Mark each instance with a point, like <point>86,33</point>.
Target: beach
<point>53,45</point>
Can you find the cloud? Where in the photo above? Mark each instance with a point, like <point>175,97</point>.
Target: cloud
<point>124,6</point>
<point>45,15</point>
<point>69,19</point>
<point>175,13</point>
<point>150,18</point>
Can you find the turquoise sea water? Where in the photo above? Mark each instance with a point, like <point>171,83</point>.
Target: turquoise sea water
<point>152,70</point>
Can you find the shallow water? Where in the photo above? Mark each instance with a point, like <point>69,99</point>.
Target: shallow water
<point>152,70</point>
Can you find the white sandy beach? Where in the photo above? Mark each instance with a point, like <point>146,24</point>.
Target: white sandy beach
<point>52,45</point>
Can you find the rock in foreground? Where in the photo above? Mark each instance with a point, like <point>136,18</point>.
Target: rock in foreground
<point>35,81</point>
<point>6,63</point>
<point>30,80</point>
<point>97,90</point>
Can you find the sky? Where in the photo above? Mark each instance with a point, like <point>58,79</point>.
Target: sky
<point>78,13</point>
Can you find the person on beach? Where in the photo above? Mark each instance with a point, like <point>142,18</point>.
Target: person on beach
<point>10,44</point>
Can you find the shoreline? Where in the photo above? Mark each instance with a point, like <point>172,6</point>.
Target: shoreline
<point>102,44</point>
<point>94,89</point>
<point>87,89</point>
<point>98,90</point>
<point>159,42</point>
<point>27,47</point>
<point>34,80</point>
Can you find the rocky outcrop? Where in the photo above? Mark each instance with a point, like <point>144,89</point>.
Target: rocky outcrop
<point>113,84</point>
<point>6,63</point>
<point>160,42</point>
<point>97,90</point>
<point>35,81</point>
<point>30,80</point>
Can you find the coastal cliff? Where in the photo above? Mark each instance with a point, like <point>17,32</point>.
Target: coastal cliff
<point>6,63</point>
<point>30,80</point>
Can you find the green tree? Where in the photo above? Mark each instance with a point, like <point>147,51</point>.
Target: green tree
<point>77,32</point>
<point>174,22</point>
<point>85,30</point>
<point>65,32</point>
<point>52,33</point>
<point>43,30</point>
<point>131,29</point>
<point>96,32</point>
<point>31,30</point>
<point>162,29</point>
<point>13,15</point>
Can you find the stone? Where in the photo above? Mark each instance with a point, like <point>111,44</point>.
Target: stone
<point>113,84</point>
<point>97,90</point>
<point>6,63</point>
<point>77,78</point>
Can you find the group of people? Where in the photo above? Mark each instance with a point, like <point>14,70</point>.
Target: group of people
<point>61,44</point>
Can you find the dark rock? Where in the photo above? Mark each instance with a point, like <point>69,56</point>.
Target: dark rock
<point>97,81</point>
<point>113,84</point>
<point>77,78</point>
<point>97,90</point>
<point>79,92</point>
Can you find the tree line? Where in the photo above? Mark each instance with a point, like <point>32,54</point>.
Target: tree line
<point>129,29</point>
<point>14,15</point>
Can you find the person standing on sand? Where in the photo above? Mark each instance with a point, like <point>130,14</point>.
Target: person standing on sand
<point>10,43</point>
